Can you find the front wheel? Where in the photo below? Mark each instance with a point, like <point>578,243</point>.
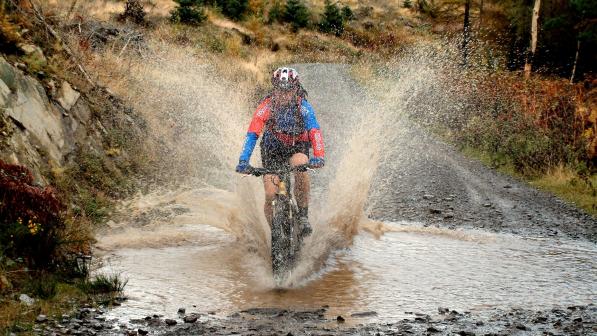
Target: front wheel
<point>280,236</point>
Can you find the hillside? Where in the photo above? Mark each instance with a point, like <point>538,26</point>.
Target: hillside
<point>104,101</point>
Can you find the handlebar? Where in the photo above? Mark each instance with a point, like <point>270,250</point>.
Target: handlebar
<point>265,171</point>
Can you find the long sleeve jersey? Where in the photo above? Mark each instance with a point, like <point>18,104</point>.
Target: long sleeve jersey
<point>262,114</point>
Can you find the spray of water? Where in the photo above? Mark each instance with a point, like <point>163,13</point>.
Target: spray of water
<point>203,120</point>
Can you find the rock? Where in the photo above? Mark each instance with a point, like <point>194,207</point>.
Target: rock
<point>487,205</point>
<point>131,332</point>
<point>449,215</point>
<point>67,97</point>
<point>171,322</point>
<point>142,331</point>
<point>26,299</point>
<point>432,329</point>
<point>507,186</point>
<point>428,196</point>
<point>41,318</point>
<point>97,326</point>
<point>466,333</point>
<point>520,326</point>
<point>435,211</point>
<point>449,199</point>
<point>190,319</point>
<point>181,310</point>
<point>340,319</point>
<point>443,310</point>
<point>31,110</point>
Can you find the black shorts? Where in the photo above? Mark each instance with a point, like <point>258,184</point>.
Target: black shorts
<point>276,156</point>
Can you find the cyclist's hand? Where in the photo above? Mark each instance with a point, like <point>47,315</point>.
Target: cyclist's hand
<point>316,162</point>
<point>243,167</point>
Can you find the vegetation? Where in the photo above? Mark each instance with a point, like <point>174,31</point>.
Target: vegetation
<point>297,14</point>
<point>188,12</point>
<point>133,10</point>
<point>31,218</point>
<point>40,255</point>
<point>233,9</point>
<point>332,20</point>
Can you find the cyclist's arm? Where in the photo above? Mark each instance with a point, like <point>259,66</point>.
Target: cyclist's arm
<point>313,129</point>
<point>255,128</point>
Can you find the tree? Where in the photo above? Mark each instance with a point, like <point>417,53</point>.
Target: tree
<point>332,20</point>
<point>586,31</point>
<point>189,12</point>
<point>466,32</point>
<point>534,31</point>
<point>297,14</point>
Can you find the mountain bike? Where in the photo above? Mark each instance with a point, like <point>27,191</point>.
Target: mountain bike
<point>287,236</point>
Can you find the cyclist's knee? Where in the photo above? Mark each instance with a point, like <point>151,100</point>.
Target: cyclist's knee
<point>299,159</point>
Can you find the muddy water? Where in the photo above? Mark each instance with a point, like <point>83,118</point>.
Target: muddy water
<point>408,269</point>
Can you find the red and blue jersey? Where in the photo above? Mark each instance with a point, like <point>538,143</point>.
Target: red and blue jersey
<point>260,124</point>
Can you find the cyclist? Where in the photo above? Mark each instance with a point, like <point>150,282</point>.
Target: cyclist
<point>288,123</point>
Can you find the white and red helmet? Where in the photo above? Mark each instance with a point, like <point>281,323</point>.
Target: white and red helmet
<point>285,78</point>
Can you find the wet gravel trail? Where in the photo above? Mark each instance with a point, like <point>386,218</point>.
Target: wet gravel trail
<point>440,186</point>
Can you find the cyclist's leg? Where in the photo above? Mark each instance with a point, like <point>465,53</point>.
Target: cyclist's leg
<point>301,180</point>
<point>270,183</point>
<point>272,157</point>
<point>302,186</point>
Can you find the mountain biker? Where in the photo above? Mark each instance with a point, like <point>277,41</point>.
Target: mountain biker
<point>290,125</point>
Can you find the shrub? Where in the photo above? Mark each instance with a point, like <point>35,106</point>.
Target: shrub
<point>407,4</point>
<point>9,36</point>
<point>189,12</point>
<point>347,13</point>
<point>30,218</point>
<point>133,10</point>
<point>276,13</point>
<point>233,9</point>
<point>297,14</point>
<point>532,126</point>
<point>332,20</point>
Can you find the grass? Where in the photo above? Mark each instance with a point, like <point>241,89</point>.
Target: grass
<point>19,318</point>
<point>103,284</point>
<point>561,181</point>
<point>566,184</point>
<point>53,298</point>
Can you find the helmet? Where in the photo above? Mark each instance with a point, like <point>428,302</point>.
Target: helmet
<point>285,78</point>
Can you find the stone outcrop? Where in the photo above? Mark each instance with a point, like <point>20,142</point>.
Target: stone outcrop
<point>41,130</point>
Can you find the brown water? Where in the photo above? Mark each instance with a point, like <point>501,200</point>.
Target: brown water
<point>408,269</point>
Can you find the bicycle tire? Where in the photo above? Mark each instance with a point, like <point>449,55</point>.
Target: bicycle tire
<point>280,236</point>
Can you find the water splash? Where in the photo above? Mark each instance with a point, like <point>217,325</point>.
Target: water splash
<point>203,119</point>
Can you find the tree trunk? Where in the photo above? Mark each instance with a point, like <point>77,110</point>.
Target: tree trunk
<point>466,33</point>
<point>575,61</point>
<point>480,15</point>
<point>534,30</point>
